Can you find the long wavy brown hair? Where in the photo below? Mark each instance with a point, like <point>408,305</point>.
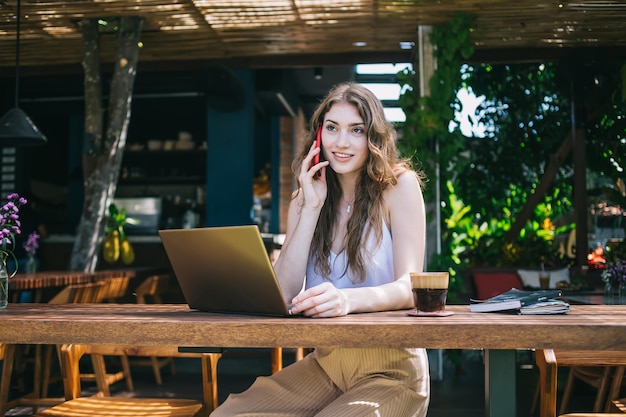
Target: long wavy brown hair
<point>381,171</point>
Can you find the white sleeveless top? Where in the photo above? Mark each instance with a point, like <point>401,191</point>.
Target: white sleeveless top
<point>348,366</point>
<point>379,265</point>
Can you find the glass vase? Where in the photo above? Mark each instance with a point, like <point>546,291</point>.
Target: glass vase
<point>609,289</point>
<point>31,265</point>
<point>615,292</point>
<point>4,285</point>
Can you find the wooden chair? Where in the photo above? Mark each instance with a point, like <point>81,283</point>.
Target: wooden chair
<point>95,406</point>
<point>150,290</point>
<point>90,292</point>
<point>598,377</point>
<point>116,288</point>
<point>43,354</point>
<point>548,361</point>
<point>94,292</point>
<point>110,291</point>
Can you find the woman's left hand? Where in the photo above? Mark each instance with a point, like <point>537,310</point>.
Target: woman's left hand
<point>324,300</point>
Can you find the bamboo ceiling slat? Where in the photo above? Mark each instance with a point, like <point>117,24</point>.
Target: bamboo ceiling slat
<point>216,29</point>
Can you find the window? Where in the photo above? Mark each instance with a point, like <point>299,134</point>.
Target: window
<point>381,80</point>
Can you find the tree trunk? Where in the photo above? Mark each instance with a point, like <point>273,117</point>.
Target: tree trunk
<point>536,195</point>
<point>102,154</point>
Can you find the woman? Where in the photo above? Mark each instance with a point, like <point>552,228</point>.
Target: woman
<point>354,232</point>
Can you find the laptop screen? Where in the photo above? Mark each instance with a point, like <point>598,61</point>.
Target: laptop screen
<point>224,269</point>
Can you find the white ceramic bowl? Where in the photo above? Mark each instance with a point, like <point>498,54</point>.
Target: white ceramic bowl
<point>155,145</point>
<point>184,145</point>
<point>184,136</point>
<point>135,147</point>
<point>168,145</point>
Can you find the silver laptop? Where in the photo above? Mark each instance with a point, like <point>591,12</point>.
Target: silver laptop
<point>224,269</point>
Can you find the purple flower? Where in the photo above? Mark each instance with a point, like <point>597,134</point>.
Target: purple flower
<point>32,243</point>
<point>615,272</point>
<point>10,224</point>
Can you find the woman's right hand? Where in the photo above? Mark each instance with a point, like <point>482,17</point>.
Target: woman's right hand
<point>313,187</point>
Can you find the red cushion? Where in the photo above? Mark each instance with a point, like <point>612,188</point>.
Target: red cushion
<point>489,284</point>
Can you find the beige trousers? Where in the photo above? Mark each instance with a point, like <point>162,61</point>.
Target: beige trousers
<point>305,389</point>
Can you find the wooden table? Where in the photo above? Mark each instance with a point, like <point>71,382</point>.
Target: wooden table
<point>585,327</point>
<point>54,280</point>
<point>46,279</point>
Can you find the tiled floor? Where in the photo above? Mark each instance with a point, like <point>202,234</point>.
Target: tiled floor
<point>459,393</point>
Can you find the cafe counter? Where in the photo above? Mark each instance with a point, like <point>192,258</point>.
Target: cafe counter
<point>55,252</point>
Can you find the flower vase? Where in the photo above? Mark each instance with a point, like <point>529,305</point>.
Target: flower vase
<point>615,289</point>
<point>4,285</point>
<point>31,265</point>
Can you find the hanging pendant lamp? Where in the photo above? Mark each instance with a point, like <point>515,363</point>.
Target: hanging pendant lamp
<point>16,128</point>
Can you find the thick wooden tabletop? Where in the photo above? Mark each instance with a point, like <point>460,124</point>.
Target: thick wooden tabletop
<point>584,327</point>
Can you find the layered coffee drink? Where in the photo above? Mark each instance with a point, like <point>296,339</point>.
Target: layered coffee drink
<point>430,290</point>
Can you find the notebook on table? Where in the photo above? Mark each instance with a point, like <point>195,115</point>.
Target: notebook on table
<point>224,269</point>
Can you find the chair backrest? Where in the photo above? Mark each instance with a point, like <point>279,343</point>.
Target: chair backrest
<point>153,287</point>
<point>91,292</point>
<point>116,288</point>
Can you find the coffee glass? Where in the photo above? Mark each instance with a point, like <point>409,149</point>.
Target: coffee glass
<point>430,290</point>
<point>544,280</point>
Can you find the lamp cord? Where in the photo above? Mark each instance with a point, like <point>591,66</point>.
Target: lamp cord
<point>17,55</point>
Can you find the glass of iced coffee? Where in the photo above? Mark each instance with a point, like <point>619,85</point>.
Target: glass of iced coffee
<point>430,290</point>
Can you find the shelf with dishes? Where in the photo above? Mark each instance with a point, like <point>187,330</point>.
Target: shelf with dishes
<point>164,167</point>
<point>185,142</point>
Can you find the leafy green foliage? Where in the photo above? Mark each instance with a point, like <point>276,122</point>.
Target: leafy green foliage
<point>117,220</point>
<point>473,241</point>
<point>528,116</point>
<point>606,140</point>
<point>527,120</point>
<point>425,134</point>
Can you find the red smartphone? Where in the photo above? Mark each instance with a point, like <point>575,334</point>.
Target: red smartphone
<point>318,144</point>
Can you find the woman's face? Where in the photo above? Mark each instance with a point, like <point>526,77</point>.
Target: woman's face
<point>344,139</point>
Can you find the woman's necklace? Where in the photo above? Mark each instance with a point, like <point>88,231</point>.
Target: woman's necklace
<point>348,208</point>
